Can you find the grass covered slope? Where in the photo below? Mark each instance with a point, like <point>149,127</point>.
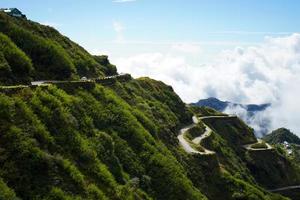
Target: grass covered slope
<point>159,103</point>
<point>15,66</point>
<point>272,169</point>
<point>85,145</point>
<point>233,130</point>
<point>269,168</point>
<point>88,143</point>
<point>44,54</point>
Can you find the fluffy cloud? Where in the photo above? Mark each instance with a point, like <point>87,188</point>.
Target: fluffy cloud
<point>260,121</point>
<point>267,73</point>
<point>187,48</point>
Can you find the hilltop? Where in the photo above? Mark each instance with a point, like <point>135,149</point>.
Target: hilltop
<point>282,135</point>
<point>31,51</point>
<point>116,138</point>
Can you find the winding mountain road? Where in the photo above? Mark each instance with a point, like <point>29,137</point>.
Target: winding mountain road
<point>187,146</point>
<point>197,141</point>
<point>208,131</point>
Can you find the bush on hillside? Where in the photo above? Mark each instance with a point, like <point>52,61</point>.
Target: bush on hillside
<point>14,64</point>
<point>109,69</point>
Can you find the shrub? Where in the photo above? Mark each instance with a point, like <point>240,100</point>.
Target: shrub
<point>6,193</point>
<point>14,64</point>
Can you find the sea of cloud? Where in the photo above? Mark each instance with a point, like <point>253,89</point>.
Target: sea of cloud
<point>265,73</point>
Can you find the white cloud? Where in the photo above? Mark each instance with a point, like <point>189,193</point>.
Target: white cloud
<point>267,73</point>
<point>118,28</point>
<point>186,48</point>
<point>123,1</point>
<point>260,121</point>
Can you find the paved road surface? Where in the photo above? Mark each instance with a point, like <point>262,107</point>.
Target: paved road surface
<point>187,146</point>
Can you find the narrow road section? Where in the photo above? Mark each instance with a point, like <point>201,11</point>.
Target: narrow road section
<point>285,188</point>
<point>249,146</point>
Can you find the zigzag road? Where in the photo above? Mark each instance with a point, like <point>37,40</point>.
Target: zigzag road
<point>189,149</point>
<point>187,146</point>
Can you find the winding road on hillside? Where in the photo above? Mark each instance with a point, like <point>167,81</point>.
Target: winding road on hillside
<point>197,141</point>
<point>187,146</point>
<point>208,131</point>
<point>249,146</point>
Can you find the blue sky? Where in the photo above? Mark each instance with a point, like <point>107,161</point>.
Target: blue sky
<point>143,25</point>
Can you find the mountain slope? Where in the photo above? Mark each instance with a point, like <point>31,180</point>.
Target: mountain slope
<point>45,54</point>
<point>85,143</point>
<point>107,140</point>
<point>281,135</point>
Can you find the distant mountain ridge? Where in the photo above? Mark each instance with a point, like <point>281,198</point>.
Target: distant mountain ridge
<point>252,114</point>
<point>219,105</point>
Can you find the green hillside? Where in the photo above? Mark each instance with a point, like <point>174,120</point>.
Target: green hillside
<point>281,135</point>
<point>31,51</point>
<point>113,138</point>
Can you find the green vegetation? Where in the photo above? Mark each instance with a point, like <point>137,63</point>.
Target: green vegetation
<point>296,153</point>
<point>29,50</point>
<point>272,169</point>
<point>205,111</point>
<point>195,131</point>
<point>86,140</point>
<point>159,104</point>
<point>15,66</point>
<point>281,135</point>
<point>222,175</point>
<point>233,130</point>
<point>259,145</point>
<point>110,69</point>
<point>91,144</point>
<point>84,145</point>
<point>268,168</point>
<point>197,147</point>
